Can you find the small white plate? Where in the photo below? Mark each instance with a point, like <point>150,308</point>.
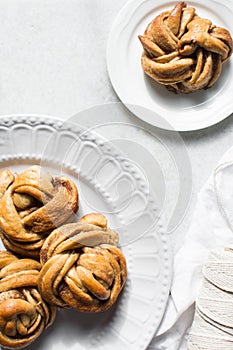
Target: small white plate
<point>150,101</point>
<point>107,183</point>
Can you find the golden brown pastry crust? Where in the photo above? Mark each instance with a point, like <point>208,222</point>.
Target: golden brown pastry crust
<point>31,205</point>
<point>82,267</point>
<point>23,313</point>
<point>183,51</point>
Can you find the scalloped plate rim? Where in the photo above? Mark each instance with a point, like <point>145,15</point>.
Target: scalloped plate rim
<point>166,280</point>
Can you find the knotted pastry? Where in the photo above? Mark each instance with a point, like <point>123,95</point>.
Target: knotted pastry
<point>183,51</point>
<point>82,267</point>
<point>31,205</point>
<point>23,313</point>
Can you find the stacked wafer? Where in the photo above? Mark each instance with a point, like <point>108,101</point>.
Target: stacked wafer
<point>213,321</point>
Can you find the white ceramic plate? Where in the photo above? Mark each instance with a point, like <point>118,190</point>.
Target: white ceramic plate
<point>147,99</point>
<point>107,183</point>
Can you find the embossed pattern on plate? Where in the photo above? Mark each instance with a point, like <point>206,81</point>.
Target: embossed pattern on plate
<point>103,176</point>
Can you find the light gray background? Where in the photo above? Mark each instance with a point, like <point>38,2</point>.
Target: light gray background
<point>52,61</point>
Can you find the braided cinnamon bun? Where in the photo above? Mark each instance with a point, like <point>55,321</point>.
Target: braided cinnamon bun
<point>23,313</point>
<point>82,266</point>
<point>183,51</point>
<point>31,205</point>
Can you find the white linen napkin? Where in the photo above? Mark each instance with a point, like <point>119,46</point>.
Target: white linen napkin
<point>211,227</point>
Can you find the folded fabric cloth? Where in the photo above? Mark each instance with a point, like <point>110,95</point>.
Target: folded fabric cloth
<point>211,227</point>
